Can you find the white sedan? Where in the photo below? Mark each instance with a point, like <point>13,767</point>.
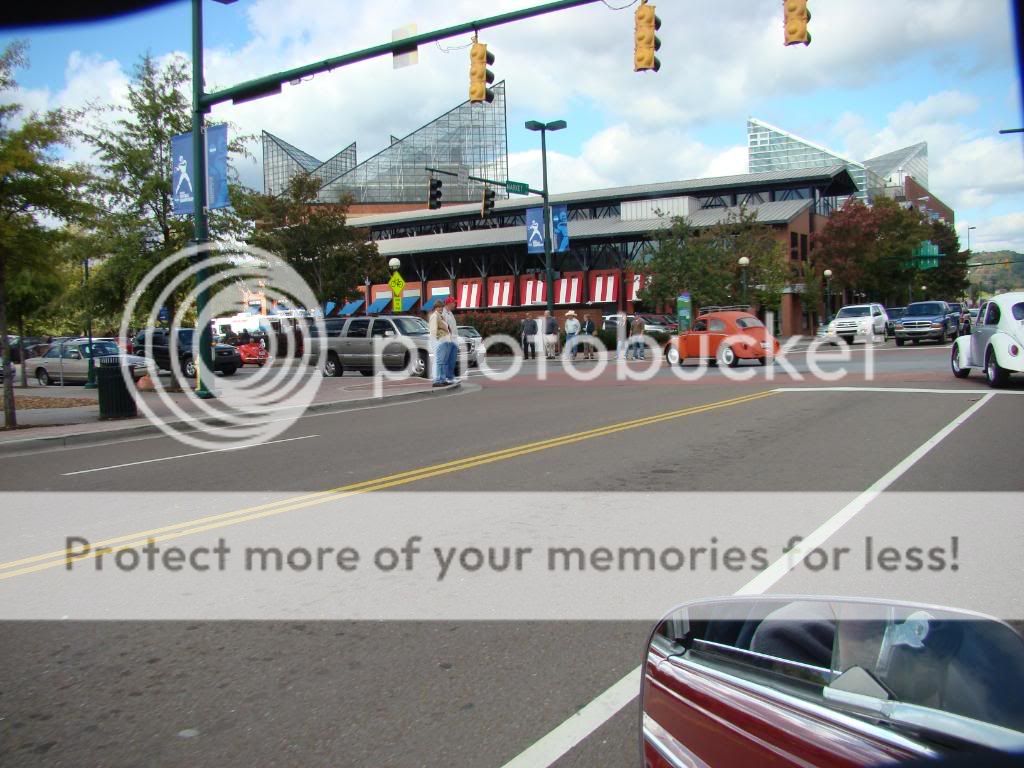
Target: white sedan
<point>996,341</point>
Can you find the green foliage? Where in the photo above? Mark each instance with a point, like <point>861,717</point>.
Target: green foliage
<point>704,263</point>
<point>949,280</point>
<point>332,257</point>
<point>35,186</point>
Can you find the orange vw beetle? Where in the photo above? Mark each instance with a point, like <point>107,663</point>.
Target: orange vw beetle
<point>723,335</point>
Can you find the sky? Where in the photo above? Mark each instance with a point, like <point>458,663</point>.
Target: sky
<point>879,75</point>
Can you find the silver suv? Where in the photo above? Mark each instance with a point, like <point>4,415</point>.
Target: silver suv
<point>858,321</point>
<point>359,344</point>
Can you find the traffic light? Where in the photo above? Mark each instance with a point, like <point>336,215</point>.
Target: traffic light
<point>488,203</point>
<point>479,75</point>
<point>796,18</point>
<point>647,23</point>
<point>435,193</point>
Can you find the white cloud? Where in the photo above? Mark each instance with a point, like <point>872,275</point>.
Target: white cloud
<point>998,233</point>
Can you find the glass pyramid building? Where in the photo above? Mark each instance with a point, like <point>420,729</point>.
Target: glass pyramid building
<point>471,139</point>
<point>773,149</point>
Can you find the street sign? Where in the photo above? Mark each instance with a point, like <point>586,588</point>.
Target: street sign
<point>163,315</point>
<point>397,284</point>
<point>396,303</point>
<point>517,187</point>
<point>684,311</point>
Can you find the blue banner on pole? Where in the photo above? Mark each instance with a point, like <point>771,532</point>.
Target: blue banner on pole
<point>535,230</point>
<point>182,172</point>
<point>560,229</point>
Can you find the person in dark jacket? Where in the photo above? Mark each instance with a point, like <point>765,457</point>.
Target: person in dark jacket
<point>527,331</point>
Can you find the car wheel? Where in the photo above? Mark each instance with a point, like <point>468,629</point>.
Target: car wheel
<point>763,360</point>
<point>366,372</point>
<point>899,342</point>
<point>727,356</point>
<point>994,373</point>
<point>916,342</point>
<point>421,368</point>
<point>848,340</point>
<point>229,371</point>
<point>954,363</point>
<point>672,355</point>
<point>189,368</point>
<point>332,366</point>
<point>43,377</point>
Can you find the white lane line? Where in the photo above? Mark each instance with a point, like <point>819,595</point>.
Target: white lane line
<point>555,744</point>
<point>905,390</point>
<point>186,455</point>
<point>584,722</point>
<point>768,577</point>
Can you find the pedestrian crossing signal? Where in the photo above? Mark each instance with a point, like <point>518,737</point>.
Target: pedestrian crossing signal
<point>479,75</point>
<point>646,42</point>
<point>796,18</point>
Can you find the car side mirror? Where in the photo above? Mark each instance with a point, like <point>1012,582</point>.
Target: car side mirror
<point>75,355</point>
<point>389,334</point>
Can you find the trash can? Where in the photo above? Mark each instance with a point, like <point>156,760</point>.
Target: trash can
<point>116,400</point>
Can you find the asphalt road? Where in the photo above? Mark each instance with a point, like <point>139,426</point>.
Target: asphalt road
<point>477,671</point>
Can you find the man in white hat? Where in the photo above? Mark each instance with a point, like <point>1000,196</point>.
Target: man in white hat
<point>572,329</point>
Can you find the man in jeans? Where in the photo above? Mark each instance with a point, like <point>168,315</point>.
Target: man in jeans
<point>451,345</point>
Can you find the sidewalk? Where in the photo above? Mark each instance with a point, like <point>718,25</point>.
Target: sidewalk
<point>45,428</point>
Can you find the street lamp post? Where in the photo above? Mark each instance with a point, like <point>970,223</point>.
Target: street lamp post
<point>366,296</point>
<point>556,125</point>
<point>828,295</point>
<point>924,292</point>
<point>744,262</point>
<point>969,238</point>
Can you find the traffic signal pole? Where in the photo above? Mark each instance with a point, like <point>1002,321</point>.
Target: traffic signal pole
<point>201,233</point>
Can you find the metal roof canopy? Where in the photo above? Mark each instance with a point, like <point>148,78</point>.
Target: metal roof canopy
<point>834,181</point>
<point>592,230</point>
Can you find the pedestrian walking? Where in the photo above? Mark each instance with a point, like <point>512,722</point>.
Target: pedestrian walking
<point>527,332</point>
<point>550,335</point>
<point>621,331</point>
<point>587,329</point>
<point>572,329</point>
<point>437,333</point>
<point>636,333</point>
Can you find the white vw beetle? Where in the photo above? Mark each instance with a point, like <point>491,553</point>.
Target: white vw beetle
<point>996,341</point>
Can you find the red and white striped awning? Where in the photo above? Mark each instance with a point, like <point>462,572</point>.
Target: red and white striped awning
<point>635,287</point>
<point>535,292</point>
<point>568,290</point>
<point>501,293</point>
<point>469,295</point>
<point>606,289</point>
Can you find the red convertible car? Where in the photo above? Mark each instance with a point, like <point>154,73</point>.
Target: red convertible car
<point>725,336</point>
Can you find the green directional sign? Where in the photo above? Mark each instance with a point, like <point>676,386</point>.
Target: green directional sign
<point>517,187</point>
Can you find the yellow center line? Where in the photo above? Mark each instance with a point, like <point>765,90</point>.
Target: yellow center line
<point>212,522</point>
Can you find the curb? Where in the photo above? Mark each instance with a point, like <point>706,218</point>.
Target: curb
<point>146,429</point>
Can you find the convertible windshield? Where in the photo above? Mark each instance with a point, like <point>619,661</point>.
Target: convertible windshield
<point>924,310</point>
<point>410,326</point>
<point>854,312</point>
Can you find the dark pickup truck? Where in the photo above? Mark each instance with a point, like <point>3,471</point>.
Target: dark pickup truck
<point>226,359</point>
<point>933,320</point>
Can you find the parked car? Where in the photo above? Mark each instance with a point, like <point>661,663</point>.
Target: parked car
<point>69,362</point>
<point>655,324</point>
<point>926,320</point>
<point>471,340</point>
<point>30,344</point>
<point>858,321</point>
<point>252,351</point>
<point>970,320</point>
<point>996,343</point>
<point>960,310</point>
<point>226,359</point>
<point>611,322</point>
<point>894,314</point>
<point>349,345</point>
<point>710,338</point>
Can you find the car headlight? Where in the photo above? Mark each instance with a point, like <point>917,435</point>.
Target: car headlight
<point>936,325</point>
<point>899,325</point>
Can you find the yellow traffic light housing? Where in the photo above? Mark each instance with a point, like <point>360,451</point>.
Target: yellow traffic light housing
<point>646,42</point>
<point>479,75</point>
<point>795,24</point>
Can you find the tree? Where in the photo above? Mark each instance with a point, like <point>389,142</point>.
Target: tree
<point>34,184</point>
<point>949,279</point>
<point>133,151</point>
<point>846,244</point>
<point>333,258</point>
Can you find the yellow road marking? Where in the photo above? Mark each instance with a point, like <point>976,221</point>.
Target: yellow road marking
<point>211,522</point>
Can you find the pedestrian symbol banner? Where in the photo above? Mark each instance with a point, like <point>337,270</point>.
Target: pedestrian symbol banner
<point>183,173</point>
<point>535,230</point>
<point>560,228</point>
